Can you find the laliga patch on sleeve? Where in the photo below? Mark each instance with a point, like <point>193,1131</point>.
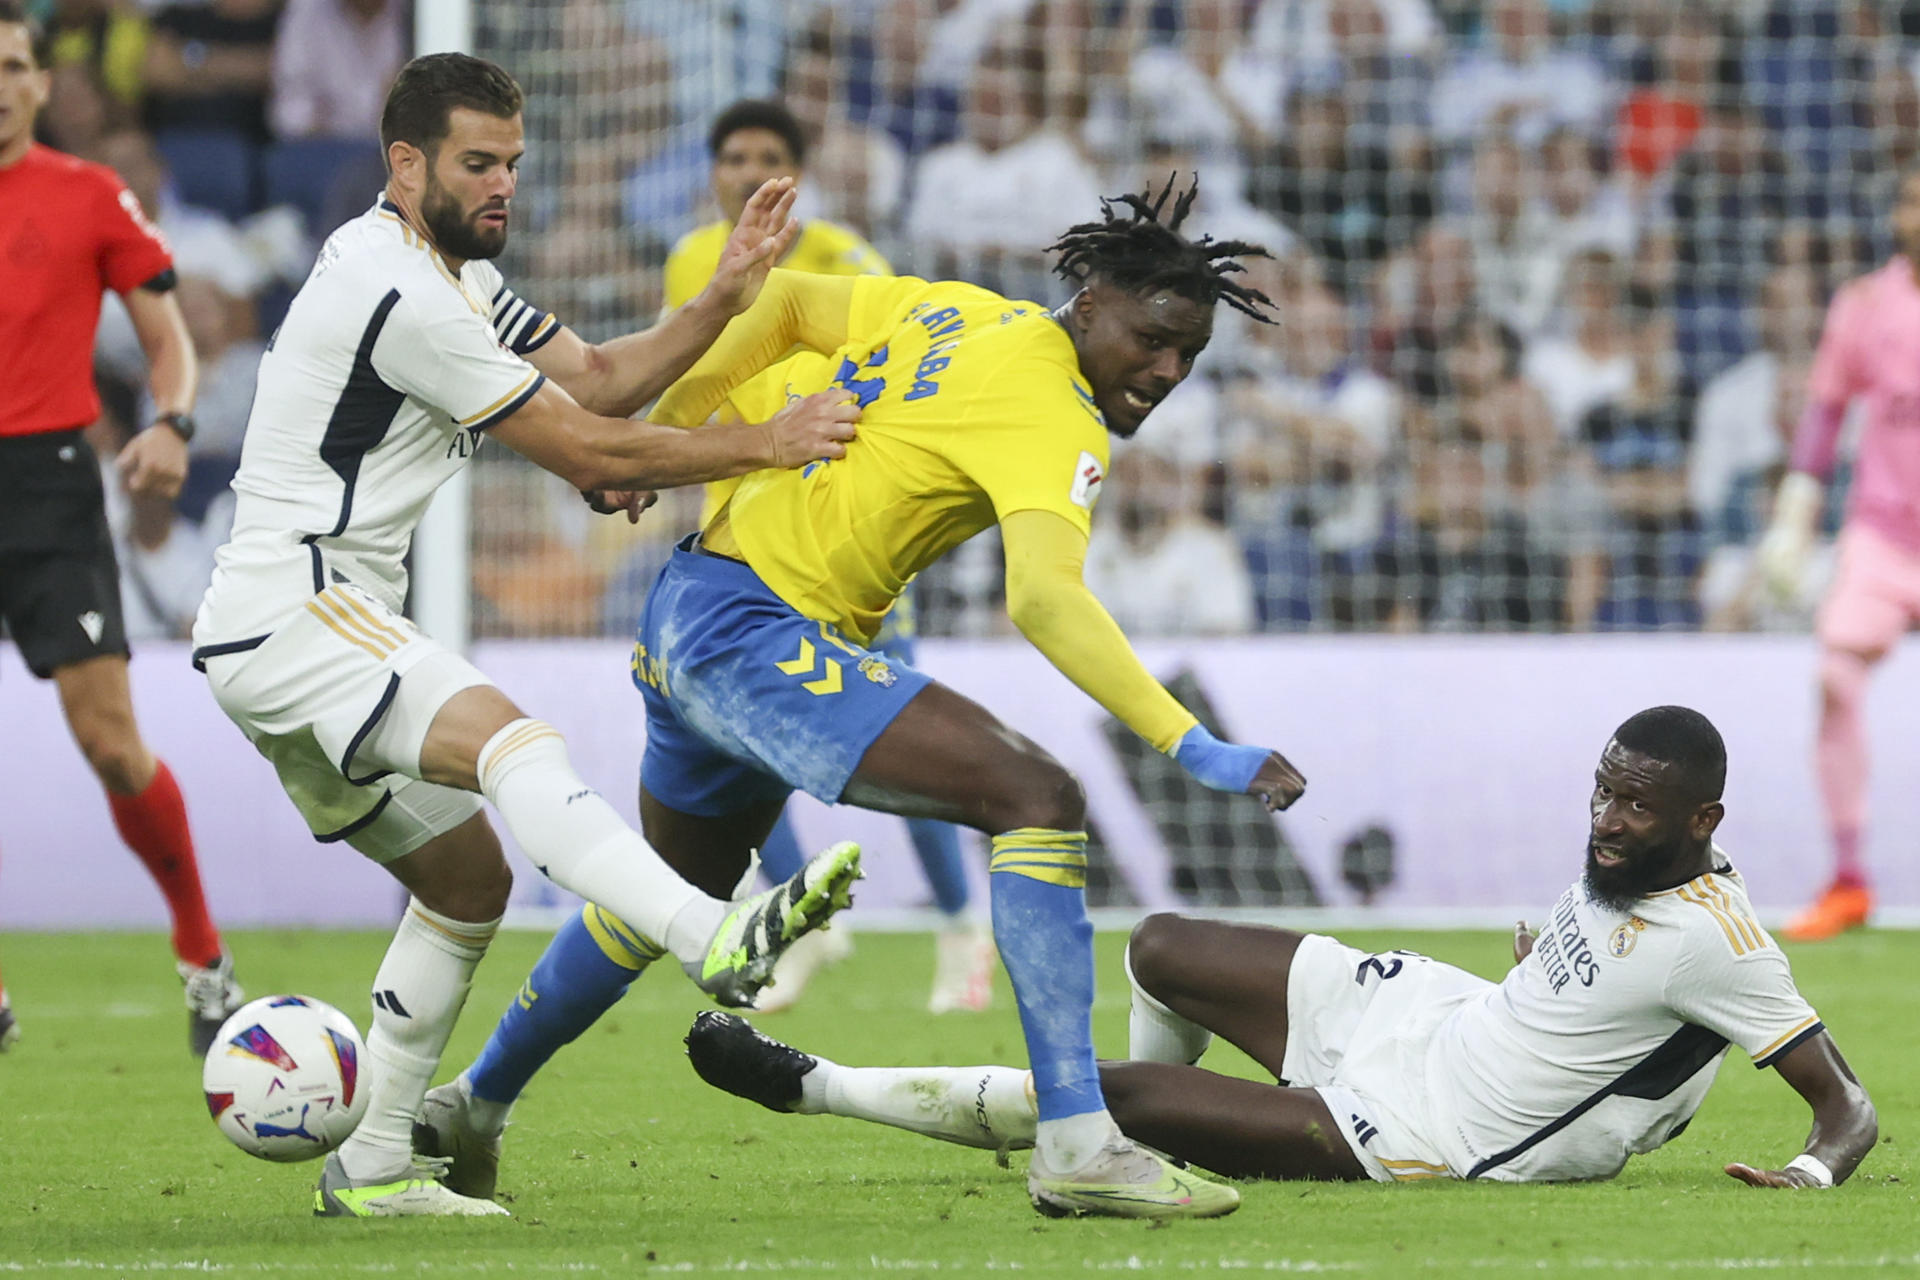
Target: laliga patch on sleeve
<point>1087,475</point>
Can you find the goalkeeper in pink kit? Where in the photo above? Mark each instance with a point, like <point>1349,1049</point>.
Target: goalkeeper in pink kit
<point>1870,352</point>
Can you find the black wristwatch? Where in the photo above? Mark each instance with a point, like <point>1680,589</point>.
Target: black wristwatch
<point>182,424</point>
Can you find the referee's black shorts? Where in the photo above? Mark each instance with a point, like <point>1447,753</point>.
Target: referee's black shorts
<point>59,582</point>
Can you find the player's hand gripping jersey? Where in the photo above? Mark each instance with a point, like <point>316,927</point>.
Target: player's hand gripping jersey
<point>974,412</point>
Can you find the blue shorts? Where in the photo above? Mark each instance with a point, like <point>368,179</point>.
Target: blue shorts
<point>747,698</point>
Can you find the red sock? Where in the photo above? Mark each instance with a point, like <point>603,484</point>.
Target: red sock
<point>154,825</point>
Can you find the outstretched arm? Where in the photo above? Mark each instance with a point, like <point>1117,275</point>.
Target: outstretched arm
<point>1048,600</point>
<point>621,376</point>
<point>795,309</point>
<point>1845,1126</point>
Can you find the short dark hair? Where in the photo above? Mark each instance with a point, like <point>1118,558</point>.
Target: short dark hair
<point>1686,740</point>
<point>758,113</point>
<point>425,93</point>
<point>1141,254</point>
<point>14,14</point>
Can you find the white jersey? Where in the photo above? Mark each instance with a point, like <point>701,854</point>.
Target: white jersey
<point>1604,1041</point>
<point>372,393</point>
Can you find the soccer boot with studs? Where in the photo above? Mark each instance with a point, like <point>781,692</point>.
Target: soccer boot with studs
<point>1125,1180</point>
<point>759,929</point>
<point>445,1131</point>
<point>212,994</point>
<point>417,1193</point>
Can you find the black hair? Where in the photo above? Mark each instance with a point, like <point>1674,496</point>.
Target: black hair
<point>1141,254</point>
<point>758,113</point>
<point>421,102</point>
<point>1683,738</point>
<point>14,14</point>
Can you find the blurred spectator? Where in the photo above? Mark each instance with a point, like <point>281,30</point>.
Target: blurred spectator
<point>859,171</point>
<point>1159,567</point>
<point>1343,194</point>
<point>332,63</point>
<point>1423,295</point>
<point>1309,433</point>
<point>105,39</point>
<point>1638,441</point>
<point>1593,365</point>
<point>78,113</point>
<point>1734,194</point>
<point>886,86</point>
<point>1516,259</point>
<point>984,207</point>
<point>1694,69</point>
<point>1585,207</point>
<point>1518,82</point>
<point>527,579</point>
<point>1747,414</point>
<point>208,70</point>
<point>1210,90</point>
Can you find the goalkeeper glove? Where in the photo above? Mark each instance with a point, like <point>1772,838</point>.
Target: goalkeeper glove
<point>1782,555</point>
<point>1223,766</point>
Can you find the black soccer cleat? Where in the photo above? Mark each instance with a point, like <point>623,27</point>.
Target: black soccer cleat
<point>729,1054</point>
<point>9,1028</point>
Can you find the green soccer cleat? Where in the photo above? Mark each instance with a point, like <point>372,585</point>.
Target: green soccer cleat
<point>740,959</point>
<point>1127,1181</point>
<point>445,1131</point>
<point>416,1194</point>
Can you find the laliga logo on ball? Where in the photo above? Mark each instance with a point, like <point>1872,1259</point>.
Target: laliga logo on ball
<point>283,1079</point>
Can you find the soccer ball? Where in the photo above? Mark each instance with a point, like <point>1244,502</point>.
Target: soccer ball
<point>283,1078</point>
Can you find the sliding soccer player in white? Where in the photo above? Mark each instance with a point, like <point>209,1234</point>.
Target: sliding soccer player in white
<point>403,347</point>
<point>1600,1044</point>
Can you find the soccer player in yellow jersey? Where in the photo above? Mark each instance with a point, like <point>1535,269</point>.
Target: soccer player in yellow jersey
<point>754,142</point>
<point>754,656</point>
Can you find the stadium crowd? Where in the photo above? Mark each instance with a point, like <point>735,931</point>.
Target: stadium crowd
<point>1550,272</point>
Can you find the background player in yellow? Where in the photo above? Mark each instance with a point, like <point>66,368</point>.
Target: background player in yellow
<point>753,656</point>
<point>752,142</point>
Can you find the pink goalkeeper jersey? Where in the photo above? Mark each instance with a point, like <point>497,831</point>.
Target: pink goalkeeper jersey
<point>1870,350</point>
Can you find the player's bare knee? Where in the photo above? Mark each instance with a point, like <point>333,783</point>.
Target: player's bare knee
<point>114,753</point>
<point>1051,797</point>
<point>1153,948</point>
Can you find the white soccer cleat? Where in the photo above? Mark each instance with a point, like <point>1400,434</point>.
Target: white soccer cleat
<point>415,1194</point>
<point>445,1131</point>
<point>963,960</point>
<point>212,995</point>
<point>1125,1180</point>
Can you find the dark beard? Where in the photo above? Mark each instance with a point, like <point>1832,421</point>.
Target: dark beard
<point>1646,871</point>
<point>454,234</point>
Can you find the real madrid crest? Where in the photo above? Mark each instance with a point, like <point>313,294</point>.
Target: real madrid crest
<point>1620,942</point>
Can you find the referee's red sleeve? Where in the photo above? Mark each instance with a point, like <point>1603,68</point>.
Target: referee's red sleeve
<point>132,250</point>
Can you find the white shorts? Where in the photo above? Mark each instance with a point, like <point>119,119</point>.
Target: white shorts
<point>340,699</point>
<point>1358,1028</point>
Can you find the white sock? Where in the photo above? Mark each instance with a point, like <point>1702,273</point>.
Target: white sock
<point>580,843</point>
<point>988,1107</point>
<point>1156,1033</point>
<point>417,996</point>
<point>1069,1145</point>
<point>489,1119</point>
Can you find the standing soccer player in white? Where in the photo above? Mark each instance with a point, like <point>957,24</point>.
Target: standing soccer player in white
<point>1870,351</point>
<point>1600,1043</point>
<point>401,349</point>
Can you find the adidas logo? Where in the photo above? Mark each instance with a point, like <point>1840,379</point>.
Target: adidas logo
<point>1363,1129</point>
<point>390,1001</point>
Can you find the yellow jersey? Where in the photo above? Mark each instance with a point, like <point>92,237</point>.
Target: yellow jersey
<point>823,248</point>
<point>974,408</point>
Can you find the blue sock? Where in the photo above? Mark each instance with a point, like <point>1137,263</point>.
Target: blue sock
<point>938,844</point>
<point>1040,923</point>
<point>780,856</point>
<point>582,974</point>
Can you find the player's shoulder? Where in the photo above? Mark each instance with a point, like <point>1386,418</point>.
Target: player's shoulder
<point>72,182</point>
<point>706,239</point>
<point>1710,911</point>
<point>831,249</point>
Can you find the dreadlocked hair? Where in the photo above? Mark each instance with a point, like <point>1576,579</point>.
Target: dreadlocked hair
<point>1132,249</point>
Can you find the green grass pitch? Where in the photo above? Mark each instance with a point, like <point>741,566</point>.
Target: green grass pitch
<point>621,1162</point>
